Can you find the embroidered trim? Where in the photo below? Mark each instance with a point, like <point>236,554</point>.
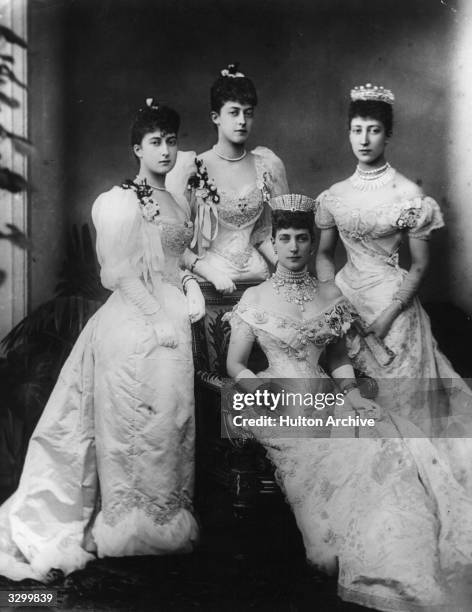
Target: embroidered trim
<point>159,513</point>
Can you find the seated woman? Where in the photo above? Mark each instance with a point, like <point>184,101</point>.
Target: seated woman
<point>384,510</point>
<point>109,468</point>
<point>232,189</point>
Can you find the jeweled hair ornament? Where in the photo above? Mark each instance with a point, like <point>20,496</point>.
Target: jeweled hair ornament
<point>232,72</point>
<point>152,104</point>
<point>293,202</point>
<point>374,93</point>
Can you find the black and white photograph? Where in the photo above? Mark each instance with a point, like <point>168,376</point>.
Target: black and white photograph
<point>236,305</point>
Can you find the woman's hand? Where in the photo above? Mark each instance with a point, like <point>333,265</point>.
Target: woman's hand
<point>221,281</point>
<point>165,333</point>
<point>382,324</point>
<point>195,301</point>
<point>354,401</point>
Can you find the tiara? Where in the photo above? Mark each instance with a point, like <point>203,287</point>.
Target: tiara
<point>232,71</point>
<point>293,202</point>
<point>372,92</point>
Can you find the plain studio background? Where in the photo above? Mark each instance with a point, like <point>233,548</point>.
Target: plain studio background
<point>93,62</point>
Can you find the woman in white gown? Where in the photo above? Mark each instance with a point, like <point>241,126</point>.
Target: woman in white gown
<point>231,189</point>
<point>384,510</point>
<point>109,468</point>
<point>373,212</point>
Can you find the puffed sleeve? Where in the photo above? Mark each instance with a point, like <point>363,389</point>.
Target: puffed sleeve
<point>323,216</point>
<point>419,217</point>
<point>238,324</point>
<point>125,247</point>
<point>117,220</point>
<point>271,169</point>
<point>272,180</point>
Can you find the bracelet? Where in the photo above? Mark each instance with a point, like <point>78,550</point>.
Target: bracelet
<point>186,279</point>
<point>349,387</point>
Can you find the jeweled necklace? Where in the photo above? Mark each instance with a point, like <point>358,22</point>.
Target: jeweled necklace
<point>370,180</point>
<point>294,287</point>
<point>229,159</point>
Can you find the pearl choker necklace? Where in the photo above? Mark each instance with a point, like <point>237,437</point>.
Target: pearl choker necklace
<point>230,159</point>
<point>370,180</point>
<point>294,287</point>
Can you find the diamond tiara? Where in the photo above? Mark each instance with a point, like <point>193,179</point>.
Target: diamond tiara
<point>375,93</point>
<point>293,202</point>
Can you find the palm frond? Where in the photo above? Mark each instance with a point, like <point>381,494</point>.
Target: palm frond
<point>11,37</point>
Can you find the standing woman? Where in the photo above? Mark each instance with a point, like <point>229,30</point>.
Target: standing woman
<point>373,211</point>
<point>109,468</point>
<point>233,188</point>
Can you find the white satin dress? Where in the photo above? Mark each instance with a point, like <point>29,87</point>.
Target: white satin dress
<point>384,511</point>
<point>110,467</point>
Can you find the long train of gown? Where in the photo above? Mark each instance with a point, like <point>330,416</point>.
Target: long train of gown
<point>110,466</point>
<point>385,511</point>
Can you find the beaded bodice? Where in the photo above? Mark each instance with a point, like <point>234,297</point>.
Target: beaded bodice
<point>237,212</point>
<point>292,346</point>
<point>175,236</point>
<point>372,231</point>
<point>371,219</point>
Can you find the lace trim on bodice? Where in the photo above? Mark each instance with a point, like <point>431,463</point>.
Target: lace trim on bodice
<point>230,210</point>
<point>176,236</point>
<point>419,216</point>
<point>239,212</point>
<point>319,330</point>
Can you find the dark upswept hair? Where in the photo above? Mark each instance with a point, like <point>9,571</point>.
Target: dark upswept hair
<point>375,109</point>
<point>296,219</point>
<point>232,89</point>
<point>152,118</point>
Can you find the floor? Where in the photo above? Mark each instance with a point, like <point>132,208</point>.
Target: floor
<point>255,563</point>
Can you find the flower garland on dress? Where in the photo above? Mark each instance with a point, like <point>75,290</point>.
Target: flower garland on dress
<point>149,207</point>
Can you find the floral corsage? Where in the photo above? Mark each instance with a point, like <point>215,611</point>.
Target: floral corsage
<point>340,318</point>
<point>205,188</point>
<point>149,207</point>
<point>408,218</point>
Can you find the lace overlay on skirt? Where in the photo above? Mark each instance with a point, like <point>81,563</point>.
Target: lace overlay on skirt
<point>386,512</point>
